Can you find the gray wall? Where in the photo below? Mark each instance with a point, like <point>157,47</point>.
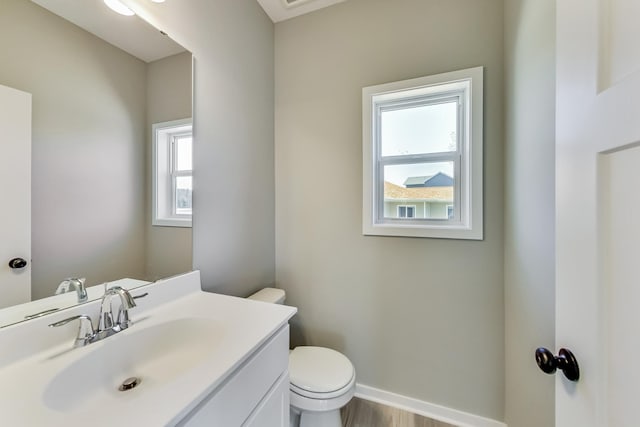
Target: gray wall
<point>88,133</point>
<point>419,317</point>
<point>529,210</point>
<point>233,226</point>
<point>435,333</point>
<point>167,249</point>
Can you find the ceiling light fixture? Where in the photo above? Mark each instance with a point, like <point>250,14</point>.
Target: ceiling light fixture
<point>118,7</point>
<point>158,1</point>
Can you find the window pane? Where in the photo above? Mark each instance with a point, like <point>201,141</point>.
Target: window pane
<point>421,191</point>
<point>184,188</point>
<point>419,130</point>
<point>184,158</point>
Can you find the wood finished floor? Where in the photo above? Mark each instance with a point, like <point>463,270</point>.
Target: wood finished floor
<point>363,413</point>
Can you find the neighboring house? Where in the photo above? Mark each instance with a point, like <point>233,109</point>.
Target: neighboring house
<point>429,197</point>
<point>438,180</point>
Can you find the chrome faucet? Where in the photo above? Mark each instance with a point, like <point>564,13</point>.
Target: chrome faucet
<point>127,302</point>
<point>106,325</point>
<point>73,284</point>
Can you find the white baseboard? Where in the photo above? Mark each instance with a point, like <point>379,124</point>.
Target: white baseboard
<point>429,410</point>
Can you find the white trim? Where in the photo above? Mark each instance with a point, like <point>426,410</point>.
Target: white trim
<point>426,409</point>
<point>172,222</point>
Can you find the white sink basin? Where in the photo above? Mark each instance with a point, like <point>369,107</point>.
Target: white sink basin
<point>155,355</point>
<point>183,344</point>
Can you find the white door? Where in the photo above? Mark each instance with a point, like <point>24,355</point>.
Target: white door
<point>598,210</point>
<point>15,208</point>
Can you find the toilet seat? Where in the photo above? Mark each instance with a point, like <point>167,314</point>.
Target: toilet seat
<point>319,373</point>
<point>321,381</point>
<point>319,403</point>
<point>323,396</point>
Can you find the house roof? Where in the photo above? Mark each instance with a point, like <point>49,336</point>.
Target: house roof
<point>396,192</point>
<point>417,180</point>
<point>437,180</point>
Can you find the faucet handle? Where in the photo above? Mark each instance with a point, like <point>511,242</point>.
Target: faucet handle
<point>141,295</point>
<point>85,329</point>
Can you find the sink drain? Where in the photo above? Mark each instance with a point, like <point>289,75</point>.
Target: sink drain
<point>129,383</point>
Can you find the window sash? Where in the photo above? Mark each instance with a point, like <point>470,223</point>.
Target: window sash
<point>174,194</point>
<point>173,155</point>
<point>175,173</point>
<point>454,156</point>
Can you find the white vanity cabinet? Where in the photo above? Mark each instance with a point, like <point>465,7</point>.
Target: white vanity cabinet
<point>256,394</point>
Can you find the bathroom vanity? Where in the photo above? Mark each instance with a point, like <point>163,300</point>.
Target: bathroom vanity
<point>190,358</point>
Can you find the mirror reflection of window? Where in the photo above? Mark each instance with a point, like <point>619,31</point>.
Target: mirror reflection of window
<point>172,173</point>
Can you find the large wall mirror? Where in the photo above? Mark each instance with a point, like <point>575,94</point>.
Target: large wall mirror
<point>99,81</point>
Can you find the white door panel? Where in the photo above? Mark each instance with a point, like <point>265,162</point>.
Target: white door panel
<point>15,209</point>
<point>598,214</point>
<point>620,173</point>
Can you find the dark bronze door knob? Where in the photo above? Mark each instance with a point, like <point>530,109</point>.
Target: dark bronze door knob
<point>17,263</point>
<point>565,361</point>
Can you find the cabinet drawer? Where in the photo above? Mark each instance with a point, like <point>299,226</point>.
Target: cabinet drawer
<point>231,404</point>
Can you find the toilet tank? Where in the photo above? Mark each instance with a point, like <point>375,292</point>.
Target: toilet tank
<point>271,295</point>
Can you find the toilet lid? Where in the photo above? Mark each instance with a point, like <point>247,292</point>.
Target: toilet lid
<point>319,369</point>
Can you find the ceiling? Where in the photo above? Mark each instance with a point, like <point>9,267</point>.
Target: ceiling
<point>280,10</point>
<point>138,38</point>
<point>129,33</point>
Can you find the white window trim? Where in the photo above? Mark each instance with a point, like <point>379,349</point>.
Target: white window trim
<point>468,223</point>
<point>162,192</point>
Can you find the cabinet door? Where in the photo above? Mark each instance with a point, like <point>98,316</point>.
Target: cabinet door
<point>273,410</point>
<point>237,399</point>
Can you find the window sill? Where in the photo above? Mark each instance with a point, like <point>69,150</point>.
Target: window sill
<point>412,230</point>
<point>172,222</point>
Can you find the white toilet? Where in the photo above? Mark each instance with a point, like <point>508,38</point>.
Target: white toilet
<point>321,380</point>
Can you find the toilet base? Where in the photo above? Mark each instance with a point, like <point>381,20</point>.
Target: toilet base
<point>315,419</point>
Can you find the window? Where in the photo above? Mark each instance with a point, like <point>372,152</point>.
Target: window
<point>422,157</point>
<point>172,173</point>
<point>450,212</point>
<point>406,211</point>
